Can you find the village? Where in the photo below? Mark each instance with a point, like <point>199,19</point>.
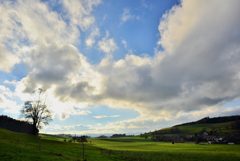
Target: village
<point>205,138</point>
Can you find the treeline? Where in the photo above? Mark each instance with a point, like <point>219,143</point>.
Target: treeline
<point>71,135</point>
<point>17,125</point>
<point>173,130</point>
<point>102,136</point>
<point>207,120</point>
<point>121,135</point>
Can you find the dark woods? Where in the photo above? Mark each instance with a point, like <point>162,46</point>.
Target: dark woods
<point>17,125</point>
<point>82,138</point>
<point>208,120</point>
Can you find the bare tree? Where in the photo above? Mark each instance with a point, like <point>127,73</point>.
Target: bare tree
<point>36,110</point>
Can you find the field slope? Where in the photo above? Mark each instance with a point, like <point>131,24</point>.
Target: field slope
<point>149,150</point>
<point>26,147</point>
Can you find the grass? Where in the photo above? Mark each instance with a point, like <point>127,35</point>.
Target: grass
<point>169,151</point>
<point>27,148</point>
<point>117,149</point>
<point>53,137</point>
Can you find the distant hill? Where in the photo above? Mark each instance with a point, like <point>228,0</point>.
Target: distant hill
<point>17,125</point>
<point>216,126</point>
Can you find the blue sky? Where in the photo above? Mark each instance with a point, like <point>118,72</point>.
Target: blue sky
<point>121,66</point>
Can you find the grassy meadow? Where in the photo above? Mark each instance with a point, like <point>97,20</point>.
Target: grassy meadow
<point>127,148</point>
<point>168,151</point>
<point>52,148</point>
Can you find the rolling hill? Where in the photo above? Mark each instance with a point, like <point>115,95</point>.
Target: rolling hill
<point>205,124</point>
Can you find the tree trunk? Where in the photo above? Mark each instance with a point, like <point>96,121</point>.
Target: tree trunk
<point>34,129</point>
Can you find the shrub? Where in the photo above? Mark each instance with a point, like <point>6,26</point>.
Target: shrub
<point>197,141</point>
<point>64,140</point>
<point>173,142</point>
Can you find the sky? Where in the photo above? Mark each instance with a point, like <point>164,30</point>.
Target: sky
<point>121,66</point>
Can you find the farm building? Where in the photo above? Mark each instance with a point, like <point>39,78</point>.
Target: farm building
<point>205,134</point>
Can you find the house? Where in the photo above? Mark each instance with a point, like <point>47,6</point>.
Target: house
<point>169,138</point>
<point>235,133</point>
<point>205,134</point>
<point>189,136</point>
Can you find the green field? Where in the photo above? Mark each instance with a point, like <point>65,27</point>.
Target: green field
<point>169,151</point>
<point>128,148</point>
<point>52,148</point>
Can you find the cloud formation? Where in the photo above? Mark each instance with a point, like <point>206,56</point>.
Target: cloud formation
<point>124,43</point>
<point>195,72</point>
<point>107,45</point>
<point>90,41</point>
<point>103,116</point>
<point>198,68</point>
<point>6,101</point>
<point>79,12</point>
<point>128,16</point>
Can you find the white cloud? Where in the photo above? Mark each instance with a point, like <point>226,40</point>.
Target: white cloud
<point>90,40</point>
<point>107,45</point>
<point>99,117</point>
<point>104,116</point>
<point>50,58</point>
<point>8,60</point>
<point>79,12</point>
<point>197,72</point>
<point>7,102</point>
<point>124,43</point>
<point>82,112</point>
<point>128,16</point>
<point>144,4</point>
<point>146,123</point>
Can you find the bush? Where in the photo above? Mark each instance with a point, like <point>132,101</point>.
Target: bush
<point>64,140</point>
<point>173,142</point>
<point>70,140</point>
<point>197,141</point>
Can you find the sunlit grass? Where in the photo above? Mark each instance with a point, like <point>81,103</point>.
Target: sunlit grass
<point>127,148</point>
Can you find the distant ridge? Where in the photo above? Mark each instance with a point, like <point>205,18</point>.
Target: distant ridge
<point>17,125</point>
<point>207,120</point>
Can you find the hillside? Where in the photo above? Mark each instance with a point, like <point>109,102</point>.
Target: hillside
<point>20,146</point>
<point>205,124</point>
<point>26,147</point>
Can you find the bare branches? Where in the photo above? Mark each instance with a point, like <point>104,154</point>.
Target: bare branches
<point>36,110</point>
